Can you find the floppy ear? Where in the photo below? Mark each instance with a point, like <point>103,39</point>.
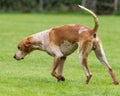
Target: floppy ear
<point>28,42</point>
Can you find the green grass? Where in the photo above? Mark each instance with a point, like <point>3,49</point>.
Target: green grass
<point>31,77</point>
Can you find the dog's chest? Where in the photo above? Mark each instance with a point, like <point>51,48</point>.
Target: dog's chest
<point>67,48</point>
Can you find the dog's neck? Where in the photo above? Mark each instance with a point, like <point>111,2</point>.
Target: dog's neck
<point>41,40</point>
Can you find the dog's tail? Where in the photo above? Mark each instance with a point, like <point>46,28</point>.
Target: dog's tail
<point>94,16</point>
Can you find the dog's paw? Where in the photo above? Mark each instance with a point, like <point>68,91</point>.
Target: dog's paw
<point>60,78</point>
<point>116,82</point>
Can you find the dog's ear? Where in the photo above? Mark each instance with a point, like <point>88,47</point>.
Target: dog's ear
<point>28,42</point>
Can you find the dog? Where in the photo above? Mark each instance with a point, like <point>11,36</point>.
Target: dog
<point>61,41</point>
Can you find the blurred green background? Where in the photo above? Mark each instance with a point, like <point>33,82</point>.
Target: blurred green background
<point>31,76</point>
<point>98,6</point>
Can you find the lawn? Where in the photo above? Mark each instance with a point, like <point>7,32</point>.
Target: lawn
<point>31,76</point>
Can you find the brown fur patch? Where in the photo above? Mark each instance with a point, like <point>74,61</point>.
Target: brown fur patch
<point>68,33</point>
<point>26,45</point>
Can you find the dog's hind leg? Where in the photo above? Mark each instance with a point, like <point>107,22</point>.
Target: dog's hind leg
<point>83,60</point>
<point>83,56</point>
<point>102,58</point>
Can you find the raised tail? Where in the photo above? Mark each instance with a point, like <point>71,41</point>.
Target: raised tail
<point>94,16</point>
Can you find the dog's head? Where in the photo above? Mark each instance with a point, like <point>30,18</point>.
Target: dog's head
<point>24,48</point>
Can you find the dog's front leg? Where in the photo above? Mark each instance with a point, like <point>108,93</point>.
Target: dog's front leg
<point>56,63</point>
<point>102,58</point>
<point>60,68</point>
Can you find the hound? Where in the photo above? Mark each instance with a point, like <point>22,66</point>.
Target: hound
<point>61,41</point>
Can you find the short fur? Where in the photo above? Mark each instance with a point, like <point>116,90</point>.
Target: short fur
<point>61,41</point>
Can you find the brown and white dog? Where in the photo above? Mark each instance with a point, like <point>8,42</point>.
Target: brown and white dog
<point>60,42</point>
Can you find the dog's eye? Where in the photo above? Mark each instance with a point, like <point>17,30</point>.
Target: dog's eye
<point>19,47</point>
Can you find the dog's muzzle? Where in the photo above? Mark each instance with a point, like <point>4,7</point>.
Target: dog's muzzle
<point>15,57</point>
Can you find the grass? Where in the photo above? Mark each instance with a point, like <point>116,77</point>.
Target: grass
<point>31,77</point>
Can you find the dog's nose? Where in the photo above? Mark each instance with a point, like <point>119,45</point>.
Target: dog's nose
<point>22,58</point>
<point>14,56</point>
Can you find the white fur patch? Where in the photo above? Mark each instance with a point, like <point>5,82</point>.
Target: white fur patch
<point>82,29</point>
<point>97,39</point>
<point>72,24</point>
<point>43,43</point>
<point>42,39</point>
<point>54,50</point>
